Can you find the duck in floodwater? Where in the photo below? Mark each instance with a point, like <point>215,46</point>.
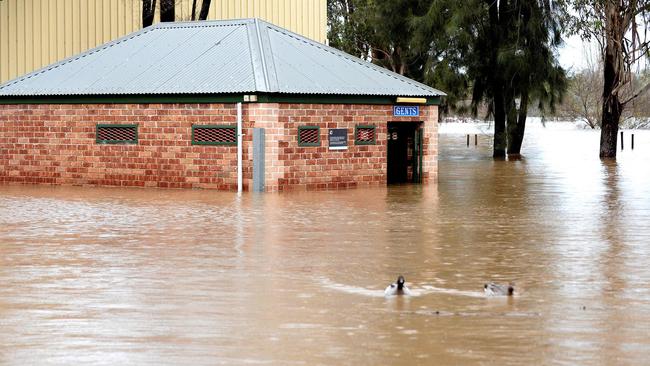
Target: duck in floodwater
<point>495,289</point>
<point>397,288</point>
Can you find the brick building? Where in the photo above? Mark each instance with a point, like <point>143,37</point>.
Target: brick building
<point>217,104</point>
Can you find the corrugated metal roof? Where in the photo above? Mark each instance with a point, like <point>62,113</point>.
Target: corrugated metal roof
<point>214,57</point>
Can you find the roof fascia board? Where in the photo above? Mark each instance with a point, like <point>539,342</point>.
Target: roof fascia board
<point>124,99</point>
<point>193,98</point>
<point>335,99</point>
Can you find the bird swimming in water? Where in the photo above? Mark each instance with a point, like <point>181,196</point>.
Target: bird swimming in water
<point>397,288</point>
<point>494,289</point>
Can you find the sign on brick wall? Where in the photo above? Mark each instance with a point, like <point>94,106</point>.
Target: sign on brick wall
<point>406,111</point>
<point>338,138</point>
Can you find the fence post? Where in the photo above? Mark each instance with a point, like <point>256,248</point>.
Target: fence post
<point>622,141</point>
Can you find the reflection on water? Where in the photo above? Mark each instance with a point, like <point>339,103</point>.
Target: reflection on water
<point>122,276</point>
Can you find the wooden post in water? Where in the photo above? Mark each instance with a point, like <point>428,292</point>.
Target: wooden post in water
<point>622,141</point>
<point>467,140</point>
<point>632,141</point>
<point>475,139</point>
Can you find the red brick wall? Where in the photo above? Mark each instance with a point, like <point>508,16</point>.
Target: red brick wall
<point>55,144</point>
<point>290,166</point>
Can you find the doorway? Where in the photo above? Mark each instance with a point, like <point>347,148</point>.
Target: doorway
<point>404,152</point>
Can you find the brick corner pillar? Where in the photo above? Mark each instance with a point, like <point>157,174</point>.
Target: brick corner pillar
<point>431,144</point>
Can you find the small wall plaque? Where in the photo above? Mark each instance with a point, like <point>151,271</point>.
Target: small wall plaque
<point>338,138</point>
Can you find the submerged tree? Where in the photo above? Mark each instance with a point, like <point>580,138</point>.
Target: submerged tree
<point>504,51</point>
<point>621,29</point>
<point>511,64</point>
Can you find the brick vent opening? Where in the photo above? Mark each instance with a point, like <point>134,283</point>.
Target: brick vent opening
<point>214,135</point>
<point>365,135</point>
<point>308,136</point>
<point>117,134</point>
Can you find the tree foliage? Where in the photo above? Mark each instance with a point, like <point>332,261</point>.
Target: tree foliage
<point>583,102</point>
<point>378,31</point>
<point>505,50</point>
<point>502,50</point>
<point>403,36</point>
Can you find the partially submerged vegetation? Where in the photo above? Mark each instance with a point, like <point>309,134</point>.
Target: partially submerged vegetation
<point>500,55</point>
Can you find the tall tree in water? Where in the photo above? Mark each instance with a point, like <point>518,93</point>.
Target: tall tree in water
<point>621,29</point>
<point>511,61</point>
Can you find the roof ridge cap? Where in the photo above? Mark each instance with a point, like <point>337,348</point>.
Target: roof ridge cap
<point>260,47</point>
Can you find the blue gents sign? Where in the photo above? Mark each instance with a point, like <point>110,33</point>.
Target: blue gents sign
<point>406,111</point>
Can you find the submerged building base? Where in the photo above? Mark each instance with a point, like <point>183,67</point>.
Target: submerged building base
<point>306,146</point>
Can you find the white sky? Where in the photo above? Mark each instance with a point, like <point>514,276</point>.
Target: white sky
<point>576,55</point>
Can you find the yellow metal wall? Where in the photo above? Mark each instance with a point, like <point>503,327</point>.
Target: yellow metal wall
<point>36,33</point>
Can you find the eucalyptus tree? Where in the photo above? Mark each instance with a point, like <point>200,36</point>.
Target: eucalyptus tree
<point>621,29</point>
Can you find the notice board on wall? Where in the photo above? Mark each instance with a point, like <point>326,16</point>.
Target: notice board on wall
<point>338,138</point>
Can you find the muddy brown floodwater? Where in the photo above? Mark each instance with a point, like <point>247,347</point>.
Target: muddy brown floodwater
<point>149,277</point>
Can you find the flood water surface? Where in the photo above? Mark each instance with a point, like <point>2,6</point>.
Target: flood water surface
<point>148,277</point>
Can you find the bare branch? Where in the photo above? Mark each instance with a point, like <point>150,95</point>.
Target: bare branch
<point>638,94</point>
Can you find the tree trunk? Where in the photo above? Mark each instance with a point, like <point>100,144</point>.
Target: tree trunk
<point>205,10</point>
<point>194,10</point>
<point>167,11</point>
<point>613,72</point>
<point>500,138</point>
<point>612,110</point>
<point>148,11</point>
<point>516,132</point>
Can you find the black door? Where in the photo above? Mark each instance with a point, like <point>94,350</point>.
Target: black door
<point>404,152</point>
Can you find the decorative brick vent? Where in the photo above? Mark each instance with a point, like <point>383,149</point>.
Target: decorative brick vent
<point>214,135</point>
<point>365,135</point>
<point>308,136</point>
<point>117,134</point>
